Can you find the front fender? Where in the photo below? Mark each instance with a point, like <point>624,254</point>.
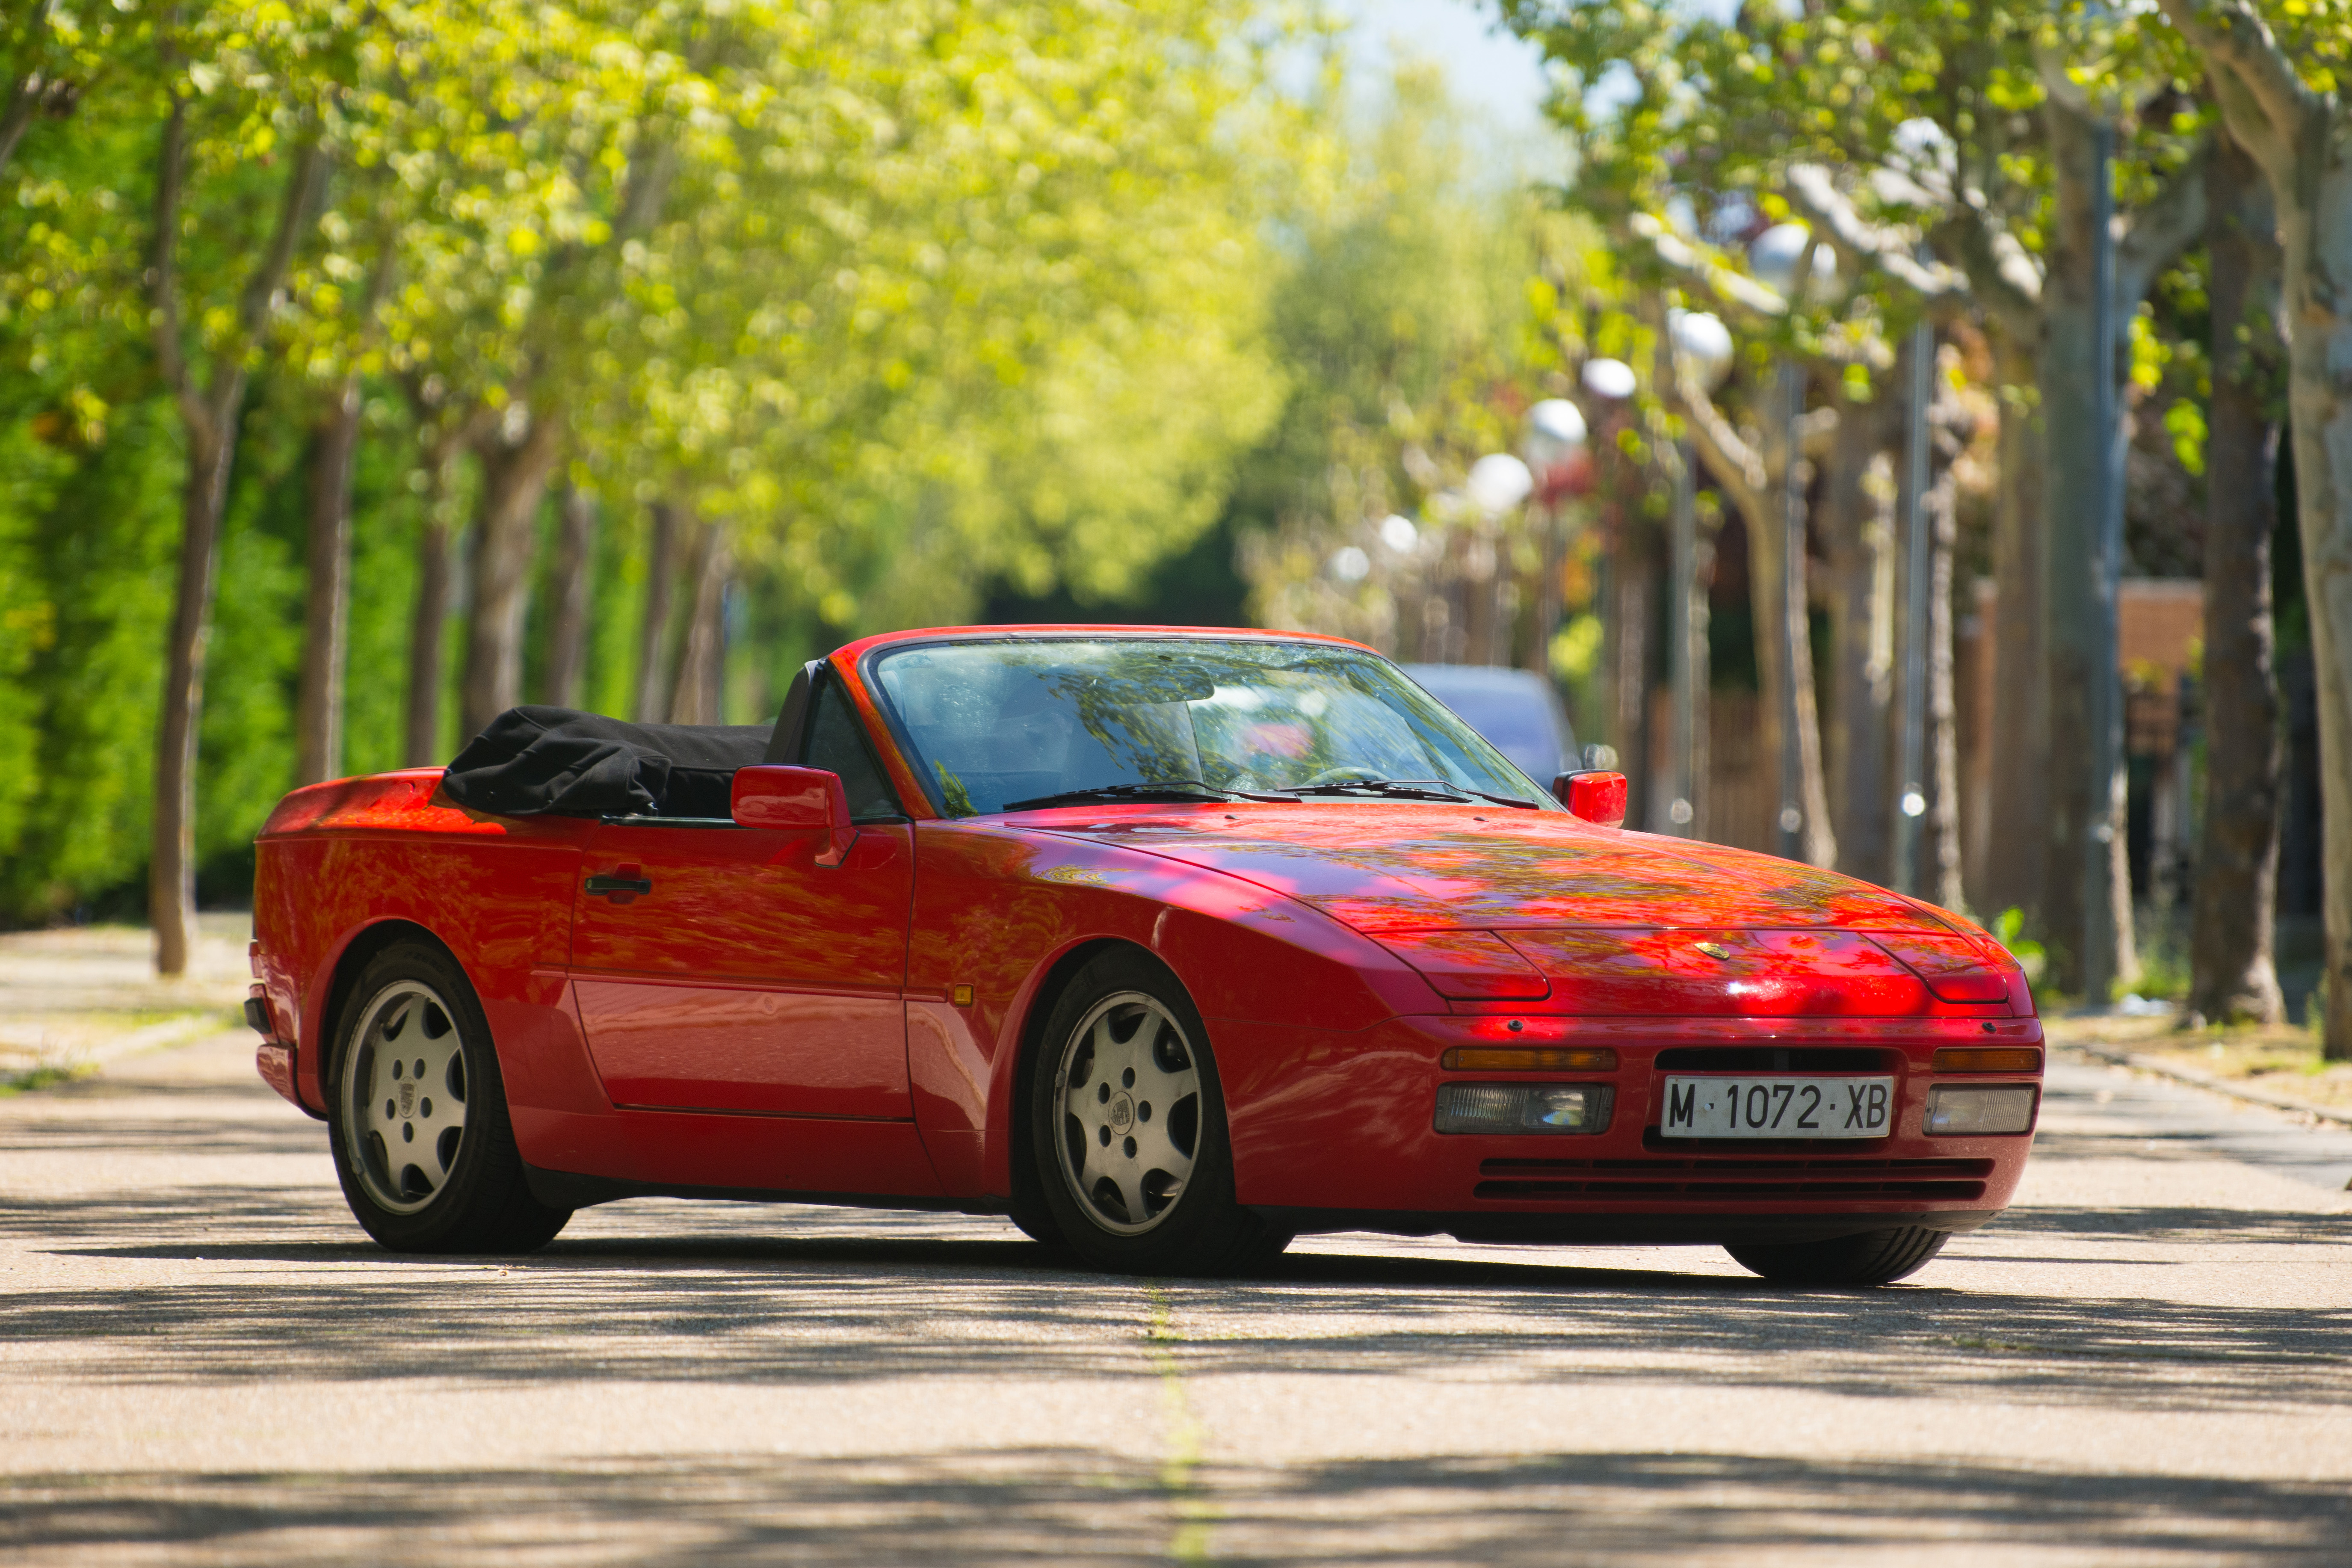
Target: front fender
<point>1000,910</point>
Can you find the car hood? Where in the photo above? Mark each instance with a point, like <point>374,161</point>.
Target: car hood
<point>1421,868</point>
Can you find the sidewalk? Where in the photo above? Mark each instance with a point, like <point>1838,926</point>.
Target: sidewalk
<point>77,996</point>
<point>2278,1066</point>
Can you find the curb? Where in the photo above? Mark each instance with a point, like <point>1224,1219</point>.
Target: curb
<point>2215,1085</point>
<point>184,1029</point>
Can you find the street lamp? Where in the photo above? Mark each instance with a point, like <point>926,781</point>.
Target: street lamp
<point>1703,342</point>
<point>1775,255</point>
<point>1701,345</point>
<point>1555,433</point>
<point>1497,482</point>
<point>1610,378</point>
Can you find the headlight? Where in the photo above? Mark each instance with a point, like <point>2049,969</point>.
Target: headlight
<point>1522,1108</point>
<point>1955,1111</point>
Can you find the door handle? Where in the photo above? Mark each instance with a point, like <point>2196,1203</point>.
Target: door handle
<point>618,887</point>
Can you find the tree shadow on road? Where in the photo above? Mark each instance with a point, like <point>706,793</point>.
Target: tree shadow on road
<point>837,1296</point>
<point>1066,1505</point>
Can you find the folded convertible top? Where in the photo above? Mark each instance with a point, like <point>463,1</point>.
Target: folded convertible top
<point>558,762</point>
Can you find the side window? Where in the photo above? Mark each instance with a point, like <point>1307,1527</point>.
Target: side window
<point>837,742</point>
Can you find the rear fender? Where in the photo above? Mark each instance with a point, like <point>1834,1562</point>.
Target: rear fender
<point>325,1002</point>
<point>345,869</point>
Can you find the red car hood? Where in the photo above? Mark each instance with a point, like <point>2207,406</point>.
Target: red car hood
<point>1419,868</point>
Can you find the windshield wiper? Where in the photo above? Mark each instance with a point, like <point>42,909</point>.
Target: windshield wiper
<point>1157,789</point>
<point>1409,789</point>
<point>1404,789</point>
<point>1509,800</point>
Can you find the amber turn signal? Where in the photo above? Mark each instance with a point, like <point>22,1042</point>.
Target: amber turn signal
<point>1988,1058</point>
<point>1528,1058</point>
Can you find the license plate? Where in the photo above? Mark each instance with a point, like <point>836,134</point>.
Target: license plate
<point>1757,1107</point>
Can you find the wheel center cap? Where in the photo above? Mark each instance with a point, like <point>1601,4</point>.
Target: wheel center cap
<point>408,1097</point>
<point>1122,1113</point>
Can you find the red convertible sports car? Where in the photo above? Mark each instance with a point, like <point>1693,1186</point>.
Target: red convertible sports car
<point>1171,945</point>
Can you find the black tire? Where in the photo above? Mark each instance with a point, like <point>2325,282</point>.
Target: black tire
<point>1037,1223</point>
<point>1194,1228</point>
<point>1873,1257</point>
<point>460,1188</point>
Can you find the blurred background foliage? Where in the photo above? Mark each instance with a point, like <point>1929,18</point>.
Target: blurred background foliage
<point>874,314</point>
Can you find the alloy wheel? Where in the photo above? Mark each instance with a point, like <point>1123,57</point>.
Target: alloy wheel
<point>1128,1090</point>
<point>404,1094</point>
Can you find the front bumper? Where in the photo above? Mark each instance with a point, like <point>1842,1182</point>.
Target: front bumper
<point>1336,1131</point>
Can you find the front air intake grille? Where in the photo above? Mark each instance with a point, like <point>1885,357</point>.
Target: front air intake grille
<point>1522,1180</point>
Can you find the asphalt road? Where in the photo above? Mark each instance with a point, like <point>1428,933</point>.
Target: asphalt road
<point>202,1360</point>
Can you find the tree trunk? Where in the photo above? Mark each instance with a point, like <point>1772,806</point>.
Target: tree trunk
<point>326,621</point>
<point>2233,975</point>
<point>171,874</point>
<point>23,103</point>
<point>1482,559</point>
<point>427,631</point>
<point>515,468</point>
<point>1634,585</point>
<point>653,632</point>
<point>1939,879</point>
<point>210,418</point>
<point>1784,653</point>
<point>1858,532</point>
<point>2301,138</point>
<point>1702,688</point>
<point>697,695</point>
<point>1768,604</point>
<point>2086,813</point>
<point>2315,227</point>
<point>575,561</point>
<point>32,92</point>
<point>2019,729</point>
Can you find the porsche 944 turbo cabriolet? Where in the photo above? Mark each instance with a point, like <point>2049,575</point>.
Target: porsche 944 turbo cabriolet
<point>1171,945</point>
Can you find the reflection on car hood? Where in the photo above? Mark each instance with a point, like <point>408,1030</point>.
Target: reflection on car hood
<point>1381,867</point>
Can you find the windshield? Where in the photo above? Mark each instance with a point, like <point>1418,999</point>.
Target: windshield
<point>1512,707</point>
<point>995,726</point>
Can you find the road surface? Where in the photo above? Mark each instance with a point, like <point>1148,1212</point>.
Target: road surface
<point>2149,1360</point>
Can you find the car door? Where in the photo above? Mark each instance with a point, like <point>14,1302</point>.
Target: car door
<point>721,968</point>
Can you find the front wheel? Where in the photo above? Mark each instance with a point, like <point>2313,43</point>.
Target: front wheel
<point>418,1115</point>
<point>1129,1129</point>
<point>1873,1257</point>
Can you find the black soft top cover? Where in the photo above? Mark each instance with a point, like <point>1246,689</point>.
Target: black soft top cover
<point>558,762</point>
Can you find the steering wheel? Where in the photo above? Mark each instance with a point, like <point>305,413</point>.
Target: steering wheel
<point>1345,775</point>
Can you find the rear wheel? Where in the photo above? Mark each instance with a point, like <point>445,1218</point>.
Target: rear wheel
<point>418,1115</point>
<point>1873,1257</point>
<point>1129,1129</point>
